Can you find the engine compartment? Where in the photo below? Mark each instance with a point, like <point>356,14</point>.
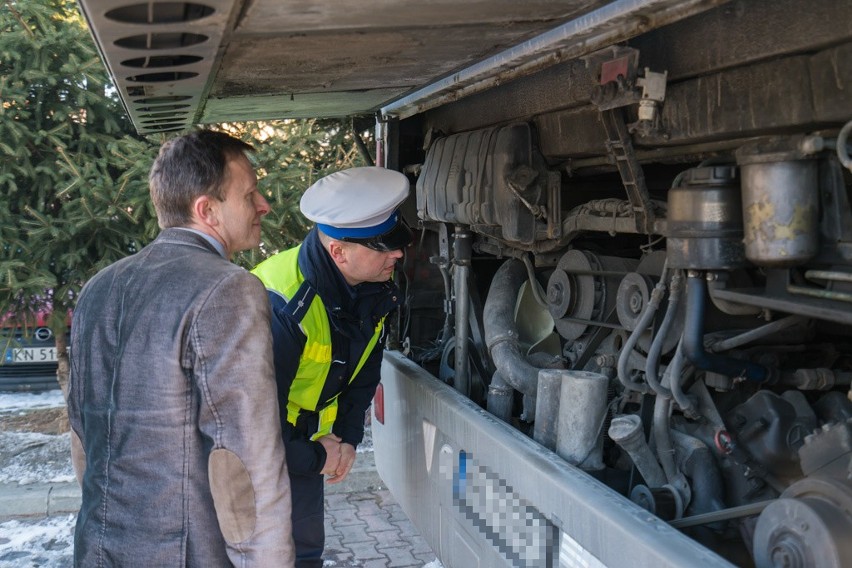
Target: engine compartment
<point>700,377</point>
<point>672,315</point>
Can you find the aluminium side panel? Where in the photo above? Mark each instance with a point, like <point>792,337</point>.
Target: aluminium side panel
<point>484,495</point>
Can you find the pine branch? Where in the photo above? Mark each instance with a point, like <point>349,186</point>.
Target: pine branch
<point>19,18</point>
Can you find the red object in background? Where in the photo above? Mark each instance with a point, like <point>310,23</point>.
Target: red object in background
<point>379,404</point>
<point>611,70</point>
<point>42,319</point>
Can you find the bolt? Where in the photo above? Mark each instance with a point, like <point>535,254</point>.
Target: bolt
<point>555,294</point>
<point>636,302</point>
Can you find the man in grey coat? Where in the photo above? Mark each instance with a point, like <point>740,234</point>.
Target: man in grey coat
<point>172,389</point>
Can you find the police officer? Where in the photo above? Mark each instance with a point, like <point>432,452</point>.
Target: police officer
<point>330,297</point>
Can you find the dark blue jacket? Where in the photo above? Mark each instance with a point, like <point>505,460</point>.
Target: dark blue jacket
<point>353,313</point>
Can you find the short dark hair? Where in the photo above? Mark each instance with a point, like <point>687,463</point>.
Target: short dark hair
<point>188,167</point>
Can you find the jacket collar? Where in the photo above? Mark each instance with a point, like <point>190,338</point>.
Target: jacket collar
<point>319,269</point>
<point>181,235</point>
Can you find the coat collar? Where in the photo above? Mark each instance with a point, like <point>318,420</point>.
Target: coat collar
<point>319,269</point>
<point>180,235</point>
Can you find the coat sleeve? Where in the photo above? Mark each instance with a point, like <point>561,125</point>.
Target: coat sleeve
<point>354,401</point>
<point>288,342</point>
<point>239,414</point>
<point>74,400</point>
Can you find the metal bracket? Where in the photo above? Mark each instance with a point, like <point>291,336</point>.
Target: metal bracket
<point>554,205</point>
<point>619,86</point>
<point>620,148</point>
<point>653,95</point>
<point>617,79</point>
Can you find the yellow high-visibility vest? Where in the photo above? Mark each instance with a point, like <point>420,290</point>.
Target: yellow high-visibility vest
<point>281,274</point>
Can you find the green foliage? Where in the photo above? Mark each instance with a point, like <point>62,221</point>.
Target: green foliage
<point>73,192</point>
<point>290,156</point>
<point>73,174</point>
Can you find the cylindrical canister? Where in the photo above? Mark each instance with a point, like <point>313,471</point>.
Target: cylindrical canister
<point>549,392</point>
<point>582,409</point>
<point>780,197</point>
<point>704,221</point>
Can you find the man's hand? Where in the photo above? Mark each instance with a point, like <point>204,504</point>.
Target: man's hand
<point>347,460</point>
<point>331,443</point>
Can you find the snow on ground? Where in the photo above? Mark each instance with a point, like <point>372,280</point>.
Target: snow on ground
<point>23,401</point>
<point>43,543</point>
<point>29,457</point>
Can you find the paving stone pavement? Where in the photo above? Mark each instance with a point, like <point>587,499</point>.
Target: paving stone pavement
<point>365,526</point>
<point>365,529</point>
<point>368,529</point>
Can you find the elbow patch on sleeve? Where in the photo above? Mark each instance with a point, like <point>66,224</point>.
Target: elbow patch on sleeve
<point>233,495</point>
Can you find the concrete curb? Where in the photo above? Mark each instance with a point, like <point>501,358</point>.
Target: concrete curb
<point>38,499</point>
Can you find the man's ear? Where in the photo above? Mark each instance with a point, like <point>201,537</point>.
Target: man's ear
<point>337,250</point>
<point>204,211</point>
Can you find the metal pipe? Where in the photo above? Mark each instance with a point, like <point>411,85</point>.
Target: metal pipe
<point>693,337</point>
<point>627,432</point>
<point>757,333</point>
<point>828,275</point>
<point>747,510</point>
<point>662,436</point>
<point>815,379</point>
<point>820,293</point>
<point>501,332</point>
<point>446,329</point>
<point>461,259</point>
<point>665,449</point>
<point>608,25</point>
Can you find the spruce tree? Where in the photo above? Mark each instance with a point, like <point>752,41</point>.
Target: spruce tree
<point>73,172</point>
<point>73,192</point>
<point>291,155</point>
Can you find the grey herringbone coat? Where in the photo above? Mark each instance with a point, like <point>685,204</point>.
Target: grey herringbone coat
<point>173,395</point>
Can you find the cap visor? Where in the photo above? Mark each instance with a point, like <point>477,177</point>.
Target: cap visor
<point>397,238</point>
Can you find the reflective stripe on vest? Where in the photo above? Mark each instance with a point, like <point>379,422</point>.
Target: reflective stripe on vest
<point>280,273</point>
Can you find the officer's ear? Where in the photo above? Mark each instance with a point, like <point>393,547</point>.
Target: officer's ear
<point>337,250</point>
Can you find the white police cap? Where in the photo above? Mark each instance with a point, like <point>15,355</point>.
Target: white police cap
<point>360,205</point>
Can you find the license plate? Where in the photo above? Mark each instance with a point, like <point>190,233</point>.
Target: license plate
<point>30,355</point>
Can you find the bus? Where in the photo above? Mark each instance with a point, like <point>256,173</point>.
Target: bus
<point>626,336</point>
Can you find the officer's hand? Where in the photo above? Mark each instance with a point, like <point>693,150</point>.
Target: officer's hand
<point>347,460</point>
<point>331,443</point>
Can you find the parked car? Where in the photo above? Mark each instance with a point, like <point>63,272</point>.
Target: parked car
<point>29,356</point>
